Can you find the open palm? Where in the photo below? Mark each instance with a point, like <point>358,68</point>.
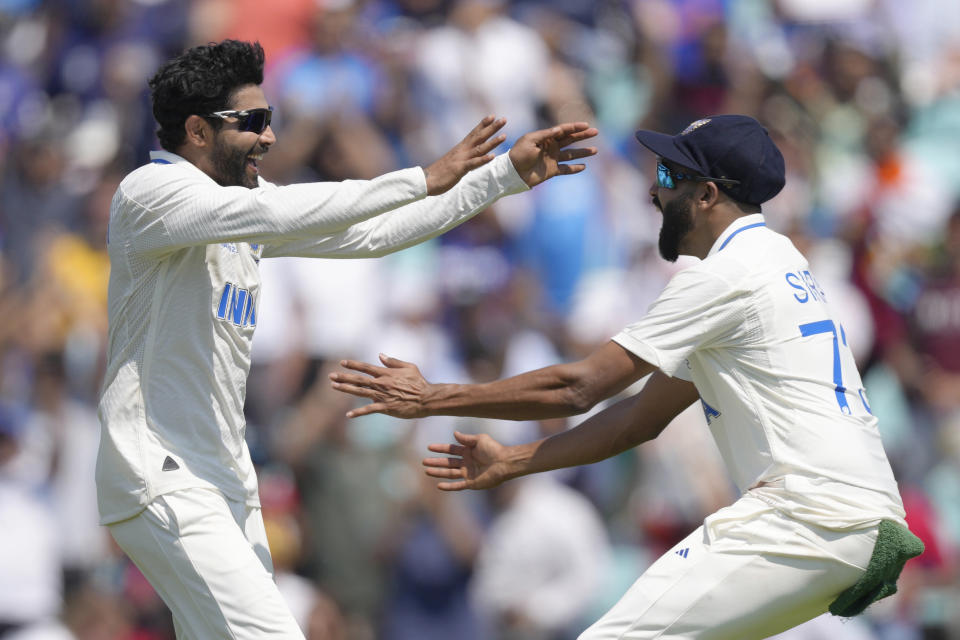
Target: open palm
<point>477,462</point>
<point>538,155</point>
<point>475,150</point>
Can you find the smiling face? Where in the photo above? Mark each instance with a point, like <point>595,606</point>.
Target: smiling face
<point>234,153</point>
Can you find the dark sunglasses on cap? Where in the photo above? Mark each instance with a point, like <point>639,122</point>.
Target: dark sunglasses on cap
<point>668,179</point>
<point>255,120</point>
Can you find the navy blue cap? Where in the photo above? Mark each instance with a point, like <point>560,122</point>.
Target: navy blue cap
<point>727,146</point>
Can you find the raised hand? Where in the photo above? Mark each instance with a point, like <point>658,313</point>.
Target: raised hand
<point>468,154</point>
<point>479,462</point>
<point>396,389</point>
<point>537,156</point>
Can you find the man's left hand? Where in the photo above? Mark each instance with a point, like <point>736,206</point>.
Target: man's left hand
<point>537,156</point>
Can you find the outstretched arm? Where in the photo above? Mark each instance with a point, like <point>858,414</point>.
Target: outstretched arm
<point>480,462</point>
<point>537,156</point>
<point>398,389</point>
<point>470,153</point>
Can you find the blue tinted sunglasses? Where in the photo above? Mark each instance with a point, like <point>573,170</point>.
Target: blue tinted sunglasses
<point>668,179</point>
<point>255,120</point>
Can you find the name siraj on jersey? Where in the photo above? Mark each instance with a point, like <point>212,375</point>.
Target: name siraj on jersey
<point>806,284</point>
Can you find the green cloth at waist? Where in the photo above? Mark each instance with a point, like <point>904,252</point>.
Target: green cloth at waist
<point>895,545</point>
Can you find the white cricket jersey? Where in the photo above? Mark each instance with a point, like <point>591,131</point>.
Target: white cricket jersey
<point>184,301</point>
<point>752,329</point>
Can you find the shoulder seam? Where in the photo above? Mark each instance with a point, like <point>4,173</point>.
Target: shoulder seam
<point>708,272</point>
<point>127,196</point>
<point>129,243</point>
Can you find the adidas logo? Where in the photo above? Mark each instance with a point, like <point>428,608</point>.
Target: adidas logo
<point>169,464</point>
<point>682,552</point>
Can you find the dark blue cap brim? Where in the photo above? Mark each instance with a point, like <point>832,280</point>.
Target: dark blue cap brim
<point>666,146</point>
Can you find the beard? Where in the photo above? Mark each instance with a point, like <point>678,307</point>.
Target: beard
<point>677,223</point>
<point>230,165</point>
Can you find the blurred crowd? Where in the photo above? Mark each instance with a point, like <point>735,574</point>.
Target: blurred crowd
<point>862,97</point>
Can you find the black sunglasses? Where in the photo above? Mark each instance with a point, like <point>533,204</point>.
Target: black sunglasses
<point>255,120</point>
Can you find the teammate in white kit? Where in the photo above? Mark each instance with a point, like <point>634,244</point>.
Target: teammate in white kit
<point>175,481</point>
<point>749,333</point>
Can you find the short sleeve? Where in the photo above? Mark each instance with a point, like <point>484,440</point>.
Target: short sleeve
<point>697,310</point>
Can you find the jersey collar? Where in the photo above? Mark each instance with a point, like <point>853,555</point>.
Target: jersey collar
<point>162,157</point>
<point>738,225</point>
<point>165,157</point>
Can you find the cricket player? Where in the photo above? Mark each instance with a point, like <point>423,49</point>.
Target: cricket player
<point>187,231</point>
<point>750,334</point>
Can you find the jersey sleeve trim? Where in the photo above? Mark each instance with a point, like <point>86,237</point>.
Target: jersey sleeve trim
<point>646,352</point>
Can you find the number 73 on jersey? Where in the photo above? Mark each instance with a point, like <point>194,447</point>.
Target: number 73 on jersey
<point>828,326</point>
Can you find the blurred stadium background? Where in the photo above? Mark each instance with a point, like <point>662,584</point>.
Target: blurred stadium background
<point>862,96</point>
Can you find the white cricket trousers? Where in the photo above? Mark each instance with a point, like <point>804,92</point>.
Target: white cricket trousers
<point>209,560</point>
<point>748,572</point>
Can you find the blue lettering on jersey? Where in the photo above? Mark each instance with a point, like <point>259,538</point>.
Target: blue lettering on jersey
<point>224,299</point>
<point>828,326</point>
<point>238,306</point>
<point>814,286</point>
<point>806,284</point>
<point>709,412</point>
<point>863,399</point>
<point>794,281</point>
<point>250,318</point>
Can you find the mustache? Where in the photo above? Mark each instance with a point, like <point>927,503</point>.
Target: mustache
<point>258,149</point>
<point>656,202</point>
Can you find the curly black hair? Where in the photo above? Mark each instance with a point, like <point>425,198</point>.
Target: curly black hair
<point>199,81</point>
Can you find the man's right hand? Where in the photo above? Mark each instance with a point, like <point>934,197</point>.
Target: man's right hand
<point>468,154</point>
<point>477,462</point>
<point>396,389</point>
